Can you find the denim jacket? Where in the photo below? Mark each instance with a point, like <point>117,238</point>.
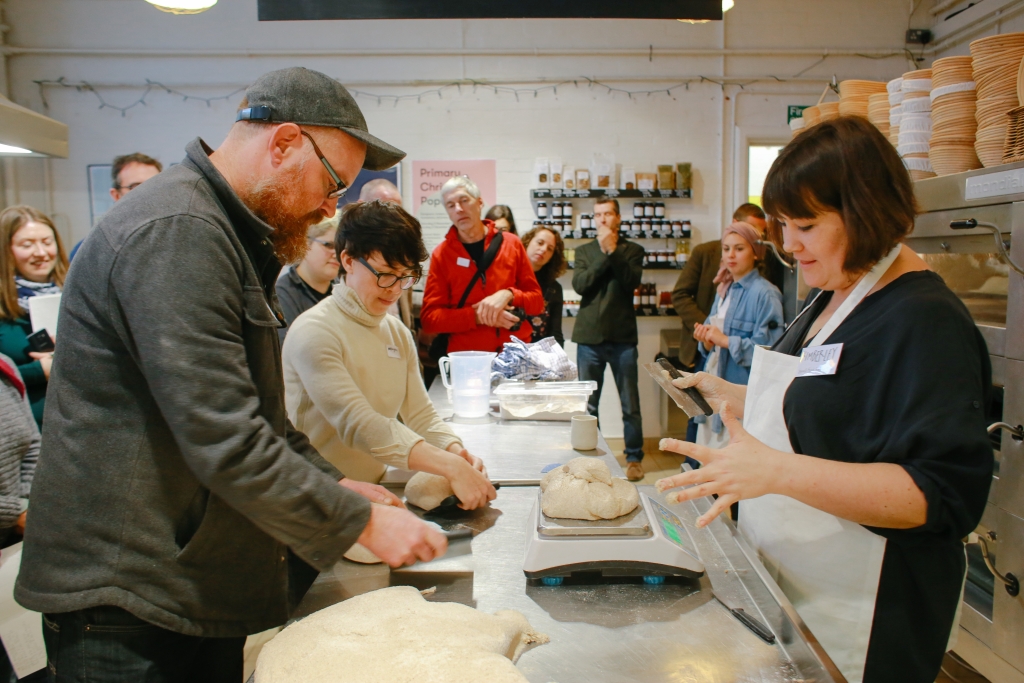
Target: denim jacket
<point>754,319</point>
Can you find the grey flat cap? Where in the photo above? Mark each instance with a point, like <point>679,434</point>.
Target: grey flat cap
<point>310,98</point>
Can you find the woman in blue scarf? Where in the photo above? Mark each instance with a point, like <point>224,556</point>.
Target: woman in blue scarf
<point>32,263</point>
<point>747,312</point>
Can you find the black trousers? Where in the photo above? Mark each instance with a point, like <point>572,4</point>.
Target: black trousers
<point>110,645</point>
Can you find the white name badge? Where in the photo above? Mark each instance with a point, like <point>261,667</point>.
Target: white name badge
<point>464,262</point>
<point>816,361</point>
<point>393,351</point>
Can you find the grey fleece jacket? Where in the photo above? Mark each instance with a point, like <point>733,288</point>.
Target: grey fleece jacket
<point>171,483</point>
<point>19,450</point>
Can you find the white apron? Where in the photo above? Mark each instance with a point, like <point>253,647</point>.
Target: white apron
<point>828,567</point>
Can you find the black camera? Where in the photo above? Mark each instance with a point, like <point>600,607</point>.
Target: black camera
<point>519,313</point>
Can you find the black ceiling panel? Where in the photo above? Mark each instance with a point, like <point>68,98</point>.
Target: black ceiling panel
<point>290,10</point>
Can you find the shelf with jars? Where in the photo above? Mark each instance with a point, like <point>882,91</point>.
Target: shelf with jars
<point>648,302</point>
<point>537,195</point>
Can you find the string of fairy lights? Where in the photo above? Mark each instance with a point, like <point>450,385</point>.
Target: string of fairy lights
<point>469,86</point>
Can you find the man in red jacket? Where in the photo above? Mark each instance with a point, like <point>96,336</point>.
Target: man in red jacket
<point>486,320</point>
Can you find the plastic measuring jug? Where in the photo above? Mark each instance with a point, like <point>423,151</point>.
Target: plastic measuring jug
<point>468,375</point>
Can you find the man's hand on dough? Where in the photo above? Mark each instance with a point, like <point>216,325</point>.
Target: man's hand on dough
<point>399,537</point>
<point>372,492</point>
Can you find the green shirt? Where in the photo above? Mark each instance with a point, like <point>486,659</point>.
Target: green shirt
<point>605,283</point>
<point>14,345</point>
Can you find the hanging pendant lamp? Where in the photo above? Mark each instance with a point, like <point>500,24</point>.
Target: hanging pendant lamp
<point>182,6</point>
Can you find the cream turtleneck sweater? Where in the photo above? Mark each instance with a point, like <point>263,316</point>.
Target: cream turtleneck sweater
<point>348,375</point>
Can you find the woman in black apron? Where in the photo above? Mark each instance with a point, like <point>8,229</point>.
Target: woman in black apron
<point>859,447</point>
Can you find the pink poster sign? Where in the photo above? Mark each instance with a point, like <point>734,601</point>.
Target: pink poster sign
<point>429,176</point>
<point>427,179</point>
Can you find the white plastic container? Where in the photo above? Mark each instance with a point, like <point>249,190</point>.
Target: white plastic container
<point>543,400</point>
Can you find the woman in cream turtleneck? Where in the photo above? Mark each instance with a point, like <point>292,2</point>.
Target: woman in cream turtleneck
<point>351,370</point>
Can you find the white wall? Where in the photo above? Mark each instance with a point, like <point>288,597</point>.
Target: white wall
<point>118,44</point>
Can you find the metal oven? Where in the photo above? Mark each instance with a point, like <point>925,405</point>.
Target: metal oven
<point>962,217</point>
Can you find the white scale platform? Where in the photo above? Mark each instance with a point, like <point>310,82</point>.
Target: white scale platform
<point>629,546</point>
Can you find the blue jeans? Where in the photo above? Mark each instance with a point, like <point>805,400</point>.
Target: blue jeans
<point>110,645</point>
<point>592,359</point>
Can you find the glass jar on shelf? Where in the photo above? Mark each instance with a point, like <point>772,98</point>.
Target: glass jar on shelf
<point>542,209</point>
<point>648,209</point>
<point>567,210</point>
<point>638,209</point>
<point>659,209</point>
<point>556,210</point>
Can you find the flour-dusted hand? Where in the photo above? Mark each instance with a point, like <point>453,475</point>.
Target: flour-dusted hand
<point>476,462</point>
<point>746,468</point>
<point>715,391</point>
<point>399,537</point>
<point>372,492</point>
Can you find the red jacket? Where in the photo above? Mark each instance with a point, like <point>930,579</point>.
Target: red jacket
<point>447,280</point>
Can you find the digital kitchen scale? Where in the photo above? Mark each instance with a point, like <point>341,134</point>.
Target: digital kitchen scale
<point>651,542</point>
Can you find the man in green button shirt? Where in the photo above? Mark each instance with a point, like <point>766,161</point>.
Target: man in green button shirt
<point>607,271</point>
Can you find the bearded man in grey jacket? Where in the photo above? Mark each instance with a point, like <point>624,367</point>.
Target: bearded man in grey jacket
<point>174,504</point>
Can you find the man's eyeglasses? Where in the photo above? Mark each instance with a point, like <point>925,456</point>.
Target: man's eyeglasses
<point>340,188</point>
<point>127,188</point>
<point>388,280</point>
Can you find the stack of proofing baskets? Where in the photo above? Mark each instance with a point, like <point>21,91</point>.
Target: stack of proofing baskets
<point>954,104</point>
<point>915,133</point>
<point>894,88</point>
<point>878,111</point>
<point>996,62</point>
<point>854,97</point>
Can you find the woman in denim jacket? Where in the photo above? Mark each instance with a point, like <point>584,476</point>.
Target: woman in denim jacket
<point>747,312</point>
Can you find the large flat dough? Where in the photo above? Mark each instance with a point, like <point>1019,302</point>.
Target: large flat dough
<point>584,488</point>
<point>426,491</point>
<point>393,634</point>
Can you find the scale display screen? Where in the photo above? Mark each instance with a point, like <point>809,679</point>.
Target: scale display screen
<point>673,528</point>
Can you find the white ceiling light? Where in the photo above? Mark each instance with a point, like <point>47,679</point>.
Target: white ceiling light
<point>726,6</point>
<point>182,6</point>
<point>25,132</point>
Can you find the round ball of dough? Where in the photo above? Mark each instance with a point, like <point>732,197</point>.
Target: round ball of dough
<point>361,554</point>
<point>584,488</point>
<point>426,491</point>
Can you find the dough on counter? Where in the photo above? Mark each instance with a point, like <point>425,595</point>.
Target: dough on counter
<point>393,634</point>
<point>361,554</point>
<point>426,491</point>
<point>584,488</point>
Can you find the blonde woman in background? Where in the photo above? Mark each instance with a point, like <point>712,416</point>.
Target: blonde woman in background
<point>309,281</point>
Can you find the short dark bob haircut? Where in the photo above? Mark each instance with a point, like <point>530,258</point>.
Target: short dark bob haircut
<point>554,268</point>
<point>847,166</point>
<point>380,227</point>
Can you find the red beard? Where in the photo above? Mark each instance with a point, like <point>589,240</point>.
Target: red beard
<point>269,201</point>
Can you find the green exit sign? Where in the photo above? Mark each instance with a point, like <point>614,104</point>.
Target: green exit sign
<point>796,111</point>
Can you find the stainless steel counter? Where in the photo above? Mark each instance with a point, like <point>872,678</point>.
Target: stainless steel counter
<point>514,451</point>
<point>611,633</point>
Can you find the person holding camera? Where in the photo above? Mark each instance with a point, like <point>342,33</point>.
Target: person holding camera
<point>32,263</point>
<point>481,286</point>
<point>606,272</point>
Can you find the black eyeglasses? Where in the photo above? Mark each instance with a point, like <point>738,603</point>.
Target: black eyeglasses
<point>127,188</point>
<point>340,188</point>
<point>388,280</point>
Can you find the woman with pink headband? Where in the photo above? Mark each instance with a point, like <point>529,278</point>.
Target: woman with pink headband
<point>747,312</point>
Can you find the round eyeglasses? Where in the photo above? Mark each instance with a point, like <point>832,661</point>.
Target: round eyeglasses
<point>388,280</point>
